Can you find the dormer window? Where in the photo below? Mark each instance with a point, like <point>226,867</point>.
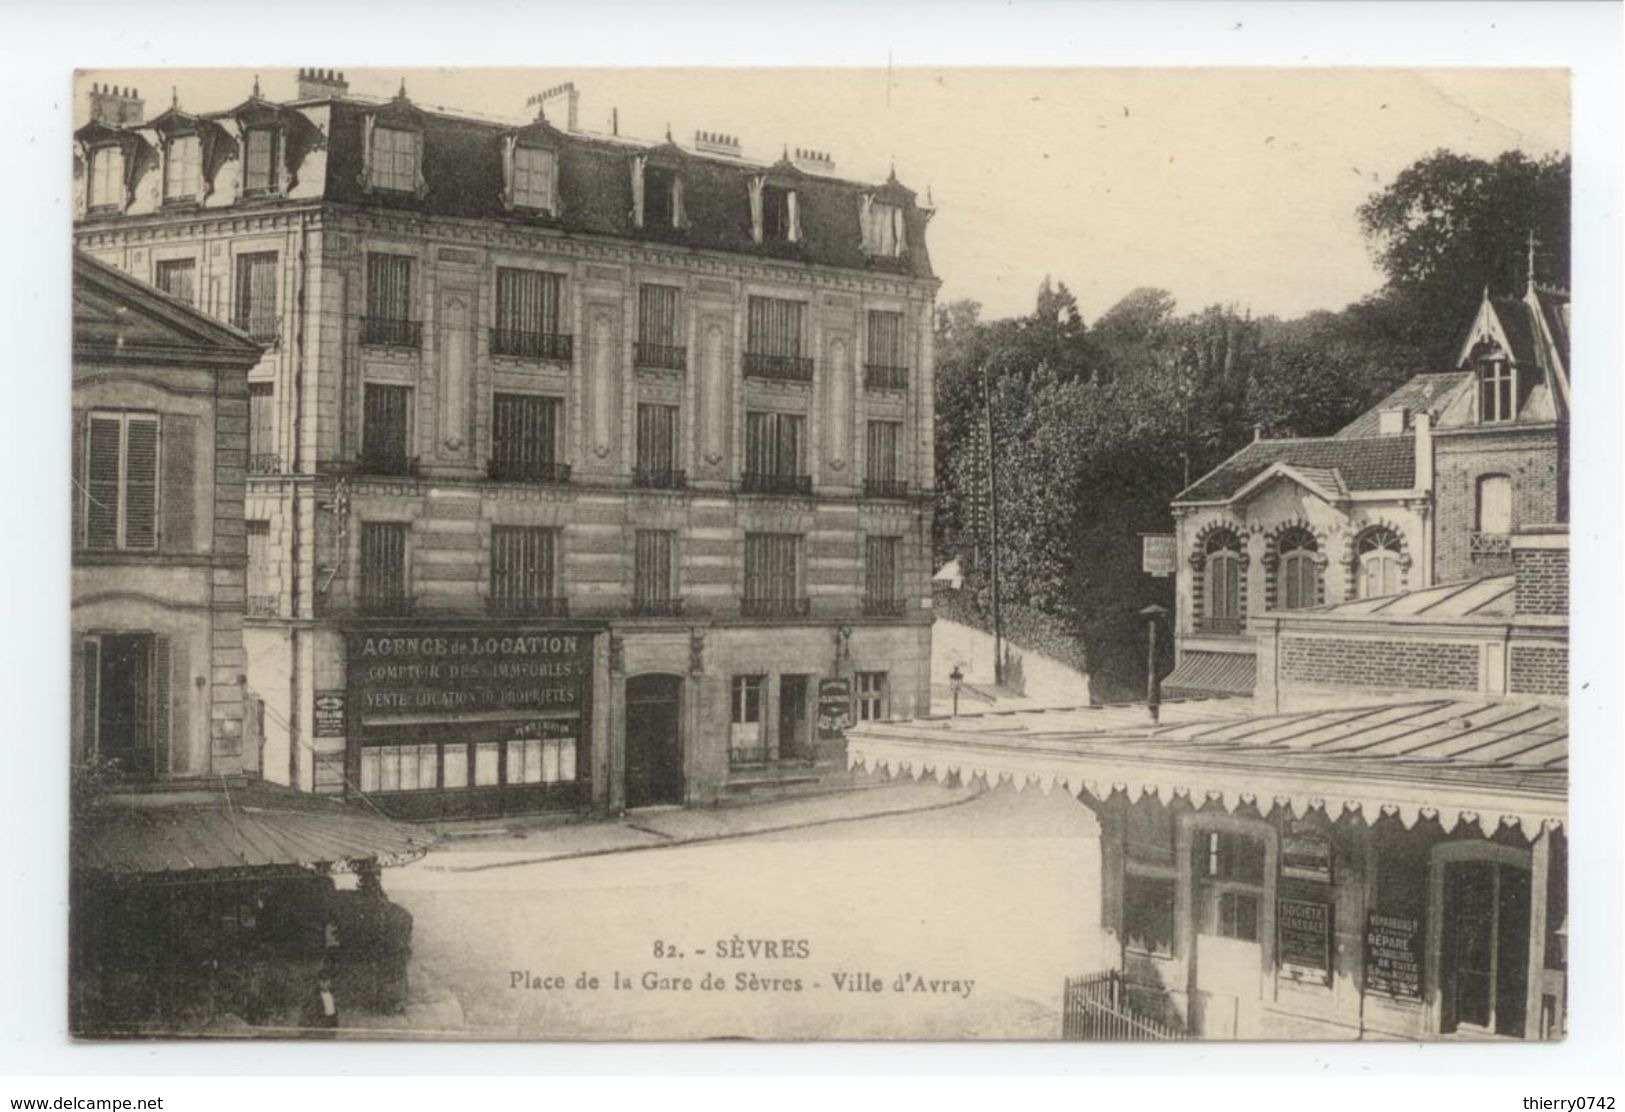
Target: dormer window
<point>883,229</point>
<point>106,182</point>
<point>661,198</point>
<point>534,169</point>
<point>396,155</point>
<point>260,177</point>
<point>183,168</point>
<point>778,206</point>
<point>1497,393</point>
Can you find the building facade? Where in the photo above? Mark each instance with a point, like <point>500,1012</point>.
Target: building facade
<point>1426,488</point>
<point>582,471</point>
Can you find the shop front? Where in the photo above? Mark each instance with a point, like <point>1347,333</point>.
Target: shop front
<point>465,722</point>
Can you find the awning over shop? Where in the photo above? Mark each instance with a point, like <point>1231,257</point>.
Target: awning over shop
<point>240,828</point>
<point>1203,675</point>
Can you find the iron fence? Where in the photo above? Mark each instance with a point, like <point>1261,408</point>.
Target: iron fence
<point>1095,1008</point>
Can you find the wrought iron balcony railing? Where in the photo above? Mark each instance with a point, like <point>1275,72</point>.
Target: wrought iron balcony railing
<point>551,606</point>
<point>775,607</point>
<point>1489,545</point>
<point>657,607</point>
<point>878,376</point>
<point>527,471</point>
<point>885,488</point>
<point>387,332</point>
<point>767,482</point>
<point>884,607</point>
<point>385,605</point>
<point>791,368</point>
<point>533,345</point>
<point>664,357</point>
<point>386,463</point>
<point>264,463</point>
<point>1220,627</point>
<point>659,478</point>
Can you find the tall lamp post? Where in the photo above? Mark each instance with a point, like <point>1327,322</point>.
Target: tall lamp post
<point>1153,691</point>
<point>956,678</point>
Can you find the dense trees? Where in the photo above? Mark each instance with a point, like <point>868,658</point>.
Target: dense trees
<point>1097,428</point>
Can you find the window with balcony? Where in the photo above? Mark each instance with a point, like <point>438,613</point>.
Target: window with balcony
<point>395,156</point>
<point>386,439</point>
<point>120,489</point>
<point>534,173</point>
<point>885,365</point>
<point>880,593</point>
<point>104,188</point>
<point>773,576</point>
<point>260,177</point>
<point>525,572</point>
<point>882,474</point>
<point>525,439</point>
<point>529,320</point>
<point>389,322</point>
<point>254,306</point>
<point>773,340</point>
<point>178,278</point>
<point>1493,517</point>
<point>776,454</point>
<point>183,168</point>
<point>126,689</point>
<point>654,573</point>
<point>657,448</point>
<point>384,589</point>
<point>660,337</point>
<point>872,696</point>
<point>1497,390</point>
<point>262,582</point>
<point>262,457</point>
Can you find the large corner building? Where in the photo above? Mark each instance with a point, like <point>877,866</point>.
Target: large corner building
<point>582,471</point>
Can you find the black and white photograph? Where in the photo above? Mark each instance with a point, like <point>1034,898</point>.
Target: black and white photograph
<point>811,554</point>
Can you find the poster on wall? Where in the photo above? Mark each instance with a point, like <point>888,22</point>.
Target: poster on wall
<point>329,713</point>
<point>1304,930</point>
<point>834,708</point>
<point>1393,956</point>
<point>1306,853</point>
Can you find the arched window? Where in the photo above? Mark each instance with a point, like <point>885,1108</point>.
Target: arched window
<point>1297,583</point>
<point>1379,570</point>
<point>1223,581</point>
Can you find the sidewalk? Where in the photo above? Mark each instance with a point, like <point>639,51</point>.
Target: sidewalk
<point>472,847</point>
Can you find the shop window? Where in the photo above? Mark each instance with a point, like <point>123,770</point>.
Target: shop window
<point>1484,958</point>
<point>487,764</point>
<point>454,766</point>
<point>1148,914</point>
<point>126,679</point>
<point>745,741</point>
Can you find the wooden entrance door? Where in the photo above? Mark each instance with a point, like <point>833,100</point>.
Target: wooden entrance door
<point>1484,958</point>
<point>654,747</point>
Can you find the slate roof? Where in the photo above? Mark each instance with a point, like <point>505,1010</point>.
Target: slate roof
<point>1367,463</point>
<point>1554,306</point>
<point>1427,392</point>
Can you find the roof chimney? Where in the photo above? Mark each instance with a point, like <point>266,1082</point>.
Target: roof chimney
<point>816,162</point>
<point>714,142</point>
<point>116,105</point>
<point>566,92</point>
<point>320,84</point>
<point>1391,422</point>
<point>1422,425</point>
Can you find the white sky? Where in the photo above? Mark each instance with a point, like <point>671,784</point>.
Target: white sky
<point>1234,185</point>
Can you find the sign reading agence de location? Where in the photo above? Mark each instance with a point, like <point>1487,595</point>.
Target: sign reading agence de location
<point>453,674</point>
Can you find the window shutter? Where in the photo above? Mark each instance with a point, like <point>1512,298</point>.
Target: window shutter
<point>162,663</point>
<point>510,144</point>
<point>179,499</point>
<point>90,667</point>
<point>679,219</point>
<point>756,184</point>
<point>899,226</point>
<point>368,124</point>
<point>865,207</point>
<point>793,203</point>
<point>637,190</point>
<point>102,483</point>
<point>141,483</point>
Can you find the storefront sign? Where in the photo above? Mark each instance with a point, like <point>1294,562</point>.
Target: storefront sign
<point>1306,853</point>
<point>1304,931</point>
<point>462,675</point>
<point>834,708</point>
<point>1393,956</point>
<point>1157,556</point>
<point>329,713</point>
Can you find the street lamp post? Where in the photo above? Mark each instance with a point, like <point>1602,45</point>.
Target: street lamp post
<point>956,677</point>
<point>1153,693</point>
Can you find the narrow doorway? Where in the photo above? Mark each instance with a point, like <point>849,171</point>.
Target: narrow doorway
<point>795,718</point>
<point>654,749</point>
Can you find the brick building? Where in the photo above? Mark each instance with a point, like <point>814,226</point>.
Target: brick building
<point>582,470</point>
<point>1428,487</point>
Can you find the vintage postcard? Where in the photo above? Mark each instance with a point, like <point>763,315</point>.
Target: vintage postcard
<point>820,554</point>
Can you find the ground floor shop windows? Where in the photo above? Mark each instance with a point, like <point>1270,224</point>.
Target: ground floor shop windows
<point>759,734</point>
<point>1484,948</point>
<point>456,766</point>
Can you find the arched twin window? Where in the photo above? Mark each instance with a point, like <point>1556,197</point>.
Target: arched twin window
<point>1297,582</point>
<point>1379,570</point>
<point>1223,578</point>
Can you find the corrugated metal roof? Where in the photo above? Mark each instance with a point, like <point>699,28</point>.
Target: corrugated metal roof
<point>1487,597</point>
<point>1372,463</point>
<point>1201,674</point>
<point>250,827</point>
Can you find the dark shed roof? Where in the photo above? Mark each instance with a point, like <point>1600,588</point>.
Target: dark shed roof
<point>1371,463</point>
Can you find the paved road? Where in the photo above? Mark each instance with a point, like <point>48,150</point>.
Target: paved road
<point>981,907</point>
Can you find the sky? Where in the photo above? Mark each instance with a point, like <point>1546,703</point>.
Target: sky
<point>1220,185</point>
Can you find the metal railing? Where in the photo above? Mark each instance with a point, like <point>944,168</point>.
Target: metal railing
<point>1096,1009</point>
<point>527,471</point>
<point>878,376</point>
<point>657,607</point>
<point>388,332</point>
<point>263,329</point>
<point>885,488</point>
<point>663,357</point>
<point>385,606</point>
<point>532,345</point>
<point>884,607</point>
<point>386,463</point>
<point>264,463</point>
<point>1220,627</point>
<point>792,368</point>
<point>659,478</point>
<point>552,606</point>
<point>1482,545</point>
<point>767,482</point>
<point>775,607</point>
